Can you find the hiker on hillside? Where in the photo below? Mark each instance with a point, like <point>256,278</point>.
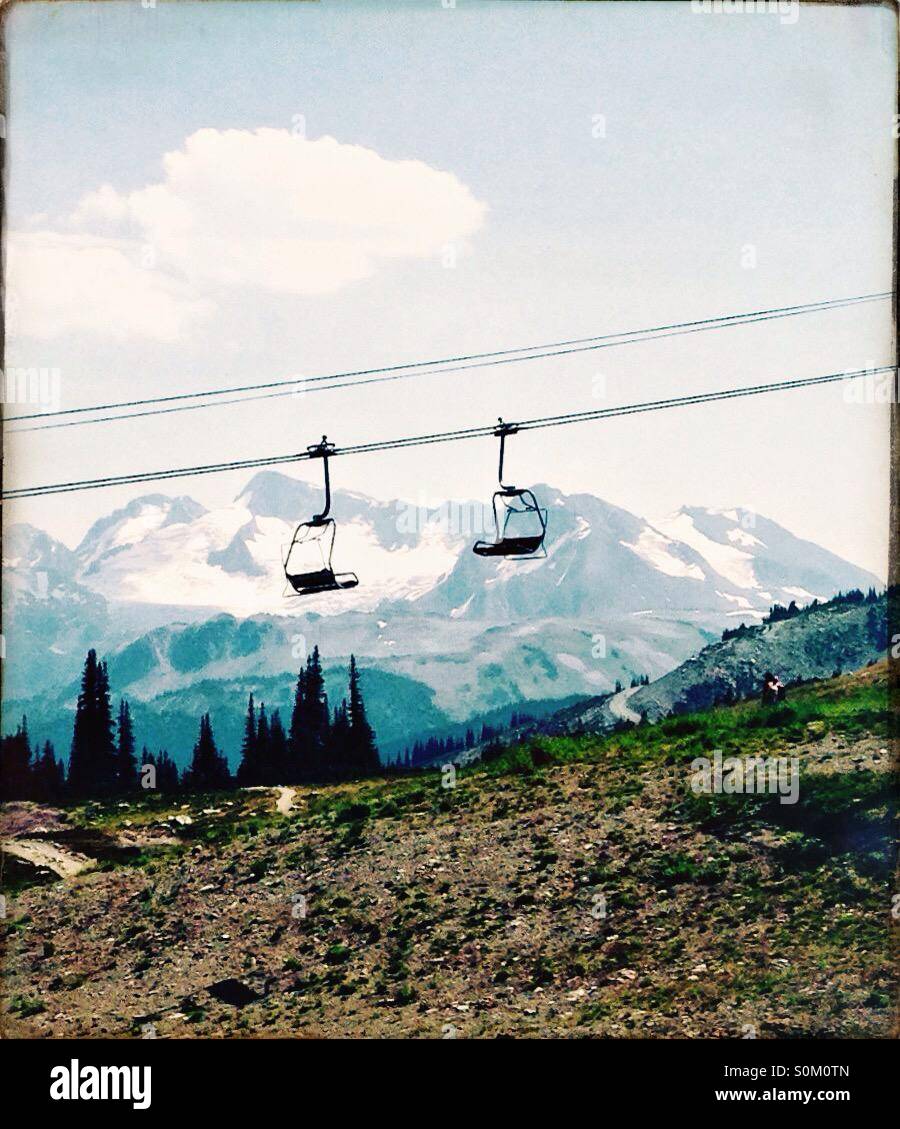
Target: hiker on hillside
<point>773,689</point>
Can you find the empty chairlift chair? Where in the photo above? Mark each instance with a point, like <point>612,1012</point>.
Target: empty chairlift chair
<point>520,525</point>
<point>307,565</point>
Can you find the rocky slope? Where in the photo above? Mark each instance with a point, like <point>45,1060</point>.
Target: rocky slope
<point>813,644</point>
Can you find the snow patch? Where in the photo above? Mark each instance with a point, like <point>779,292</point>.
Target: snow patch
<point>654,548</point>
<point>455,613</point>
<point>742,537</point>
<point>735,565</point>
<point>591,676</point>
<point>802,594</point>
<point>741,601</point>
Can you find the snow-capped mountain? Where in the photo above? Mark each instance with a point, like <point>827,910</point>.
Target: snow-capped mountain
<point>173,551</point>
<point>601,557</point>
<point>761,558</point>
<point>188,603</point>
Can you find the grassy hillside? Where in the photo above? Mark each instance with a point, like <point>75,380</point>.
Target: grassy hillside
<point>571,887</point>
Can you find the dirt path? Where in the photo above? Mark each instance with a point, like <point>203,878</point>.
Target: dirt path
<point>64,863</point>
<point>618,706</point>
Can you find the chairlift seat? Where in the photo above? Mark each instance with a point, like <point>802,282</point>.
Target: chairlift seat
<point>509,547</point>
<point>323,580</point>
<point>313,543</point>
<point>519,508</point>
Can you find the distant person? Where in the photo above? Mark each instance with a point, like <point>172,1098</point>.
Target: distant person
<point>773,689</point>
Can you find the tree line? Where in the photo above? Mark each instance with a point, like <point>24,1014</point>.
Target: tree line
<point>319,745</point>
<point>430,751</point>
<point>778,612</point>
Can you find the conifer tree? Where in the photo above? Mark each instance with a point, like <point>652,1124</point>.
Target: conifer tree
<point>363,752</point>
<point>264,773</point>
<point>340,755</point>
<point>877,628</point>
<point>165,768</point>
<point>48,777</point>
<point>248,769</point>
<point>263,750</point>
<point>297,749</point>
<point>105,723</point>
<point>92,762</point>
<point>209,769</point>
<point>278,750</point>
<point>166,772</point>
<point>126,766</point>
<point>147,758</point>
<point>15,765</point>
<point>316,718</point>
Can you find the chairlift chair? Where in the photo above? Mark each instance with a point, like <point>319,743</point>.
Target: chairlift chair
<point>520,524</point>
<point>307,565</point>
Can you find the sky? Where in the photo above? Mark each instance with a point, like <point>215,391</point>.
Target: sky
<point>211,194</point>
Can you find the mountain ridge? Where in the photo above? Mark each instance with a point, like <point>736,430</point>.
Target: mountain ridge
<point>230,559</point>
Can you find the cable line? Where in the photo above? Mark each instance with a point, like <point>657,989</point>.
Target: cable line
<point>442,437</point>
<point>360,377</point>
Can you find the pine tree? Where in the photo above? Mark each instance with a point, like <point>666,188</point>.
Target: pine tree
<point>166,770</point>
<point>248,769</point>
<point>80,756</point>
<point>209,769</point>
<point>264,773</point>
<point>316,719</point>
<point>340,755</point>
<point>56,771</point>
<point>105,723</point>
<point>363,752</point>
<point>278,750</point>
<point>92,762</point>
<point>146,758</point>
<point>15,765</point>
<point>48,775</point>
<point>297,750</point>
<point>126,766</point>
<point>877,627</point>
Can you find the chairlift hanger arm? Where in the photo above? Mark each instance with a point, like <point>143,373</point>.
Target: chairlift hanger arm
<point>502,430</point>
<point>323,451</point>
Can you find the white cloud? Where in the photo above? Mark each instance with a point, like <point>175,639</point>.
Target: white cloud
<point>63,282</point>
<point>279,212</point>
<point>259,209</point>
